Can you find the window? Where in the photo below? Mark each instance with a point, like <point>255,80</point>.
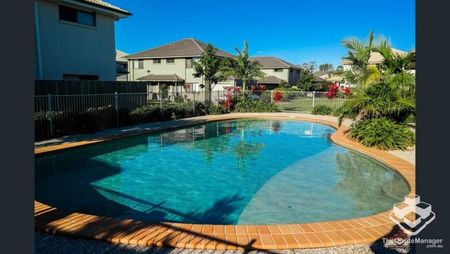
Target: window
<point>138,64</point>
<point>188,87</point>
<point>76,16</point>
<point>170,60</point>
<point>79,77</point>
<point>189,63</point>
<point>156,61</point>
<point>278,70</point>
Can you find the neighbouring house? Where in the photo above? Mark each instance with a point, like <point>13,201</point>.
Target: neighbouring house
<point>170,68</point>
<point>322,76</point>
<point>277,71</point>
<point>121,65</point>
<point>75,39</point>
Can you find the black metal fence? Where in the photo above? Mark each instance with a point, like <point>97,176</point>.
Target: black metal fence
<point>69,107</point>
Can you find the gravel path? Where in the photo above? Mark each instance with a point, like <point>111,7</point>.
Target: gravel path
<point>50,244</point>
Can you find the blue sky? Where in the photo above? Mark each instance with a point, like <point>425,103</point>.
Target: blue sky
<point>295,30</point>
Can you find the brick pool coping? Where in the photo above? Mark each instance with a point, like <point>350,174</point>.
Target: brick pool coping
<point>226,237</point>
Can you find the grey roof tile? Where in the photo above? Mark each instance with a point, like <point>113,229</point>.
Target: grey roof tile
<point>273,62</point>
<point>106,5</point>
<point>189,47</point>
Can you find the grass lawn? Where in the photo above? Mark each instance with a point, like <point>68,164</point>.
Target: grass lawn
<point>306,104</point>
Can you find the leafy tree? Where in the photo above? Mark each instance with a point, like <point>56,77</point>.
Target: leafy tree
<point>306,80</point>
<point>311,66</point>
<point>326,67</point>
<point>242,68</point>
<point>209,66</point>
<point>339,71</point>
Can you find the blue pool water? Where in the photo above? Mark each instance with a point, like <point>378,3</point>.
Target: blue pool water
<point>233,172</point>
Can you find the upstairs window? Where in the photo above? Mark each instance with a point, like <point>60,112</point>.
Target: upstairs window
<point>156,61</point>
<point>138,64</point>
<point>189,63</point>
<point>278,70</point>
<point>76,16</point>
<point>170,60</point>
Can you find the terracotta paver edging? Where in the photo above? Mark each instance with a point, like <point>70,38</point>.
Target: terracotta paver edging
<point>231,237</point>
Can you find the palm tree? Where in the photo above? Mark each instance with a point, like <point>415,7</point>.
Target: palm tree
<point>394,68</point>
<point>242,68</point>
<point>385,89</point>
<point>380,99</point>
<point>358,55</point>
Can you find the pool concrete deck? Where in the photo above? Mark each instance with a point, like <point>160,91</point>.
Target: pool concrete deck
<point>220,237</point>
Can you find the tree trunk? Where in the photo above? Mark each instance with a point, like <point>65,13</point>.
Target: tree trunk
<point>207,95</point>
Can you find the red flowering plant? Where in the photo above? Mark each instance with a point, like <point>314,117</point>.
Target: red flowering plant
<point>346,91</point>
<point>334,89</point>
<point>277,96</point>
<point>229,92</point>
<point>186,86</point>
<point>258,88</point>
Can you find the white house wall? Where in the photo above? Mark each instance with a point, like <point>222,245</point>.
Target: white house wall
<point>164,68</point>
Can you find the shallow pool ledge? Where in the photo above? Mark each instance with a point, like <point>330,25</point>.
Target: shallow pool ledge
<point>230,237</point>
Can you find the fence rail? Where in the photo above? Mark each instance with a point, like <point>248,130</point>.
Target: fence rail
<point>57,115</point>
<point>74,87</point>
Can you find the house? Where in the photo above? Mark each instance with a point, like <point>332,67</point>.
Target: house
<point>121,65</point>
<point>277,71</point>
<point>75,39</point>
<point>321,76</point>
<point>170,67</point>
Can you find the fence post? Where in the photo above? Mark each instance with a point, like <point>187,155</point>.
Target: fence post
<point>116,106</point>
<point>50,109</point>
<point>314,97</point>
<point>160,104</point>
<point>271,96</point>
<point>194,101</point>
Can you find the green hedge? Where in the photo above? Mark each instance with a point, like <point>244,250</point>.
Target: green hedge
<point>321,110</point>
<point>382,133</point>
<point>255,106</point>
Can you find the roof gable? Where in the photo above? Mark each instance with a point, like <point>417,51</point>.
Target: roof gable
<point>101,5</point>
<point>121,56</point>
<point>183,48</point>
<point>273,62</point>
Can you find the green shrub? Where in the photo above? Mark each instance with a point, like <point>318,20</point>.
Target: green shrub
<point>214,110</point>
<point>166,111</point>
<point>255,106</point>
<point>322,110</point>
<point>382,133</point>
<point>147,113</point>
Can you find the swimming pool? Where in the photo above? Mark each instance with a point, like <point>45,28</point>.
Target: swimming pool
<point>232,172</point>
